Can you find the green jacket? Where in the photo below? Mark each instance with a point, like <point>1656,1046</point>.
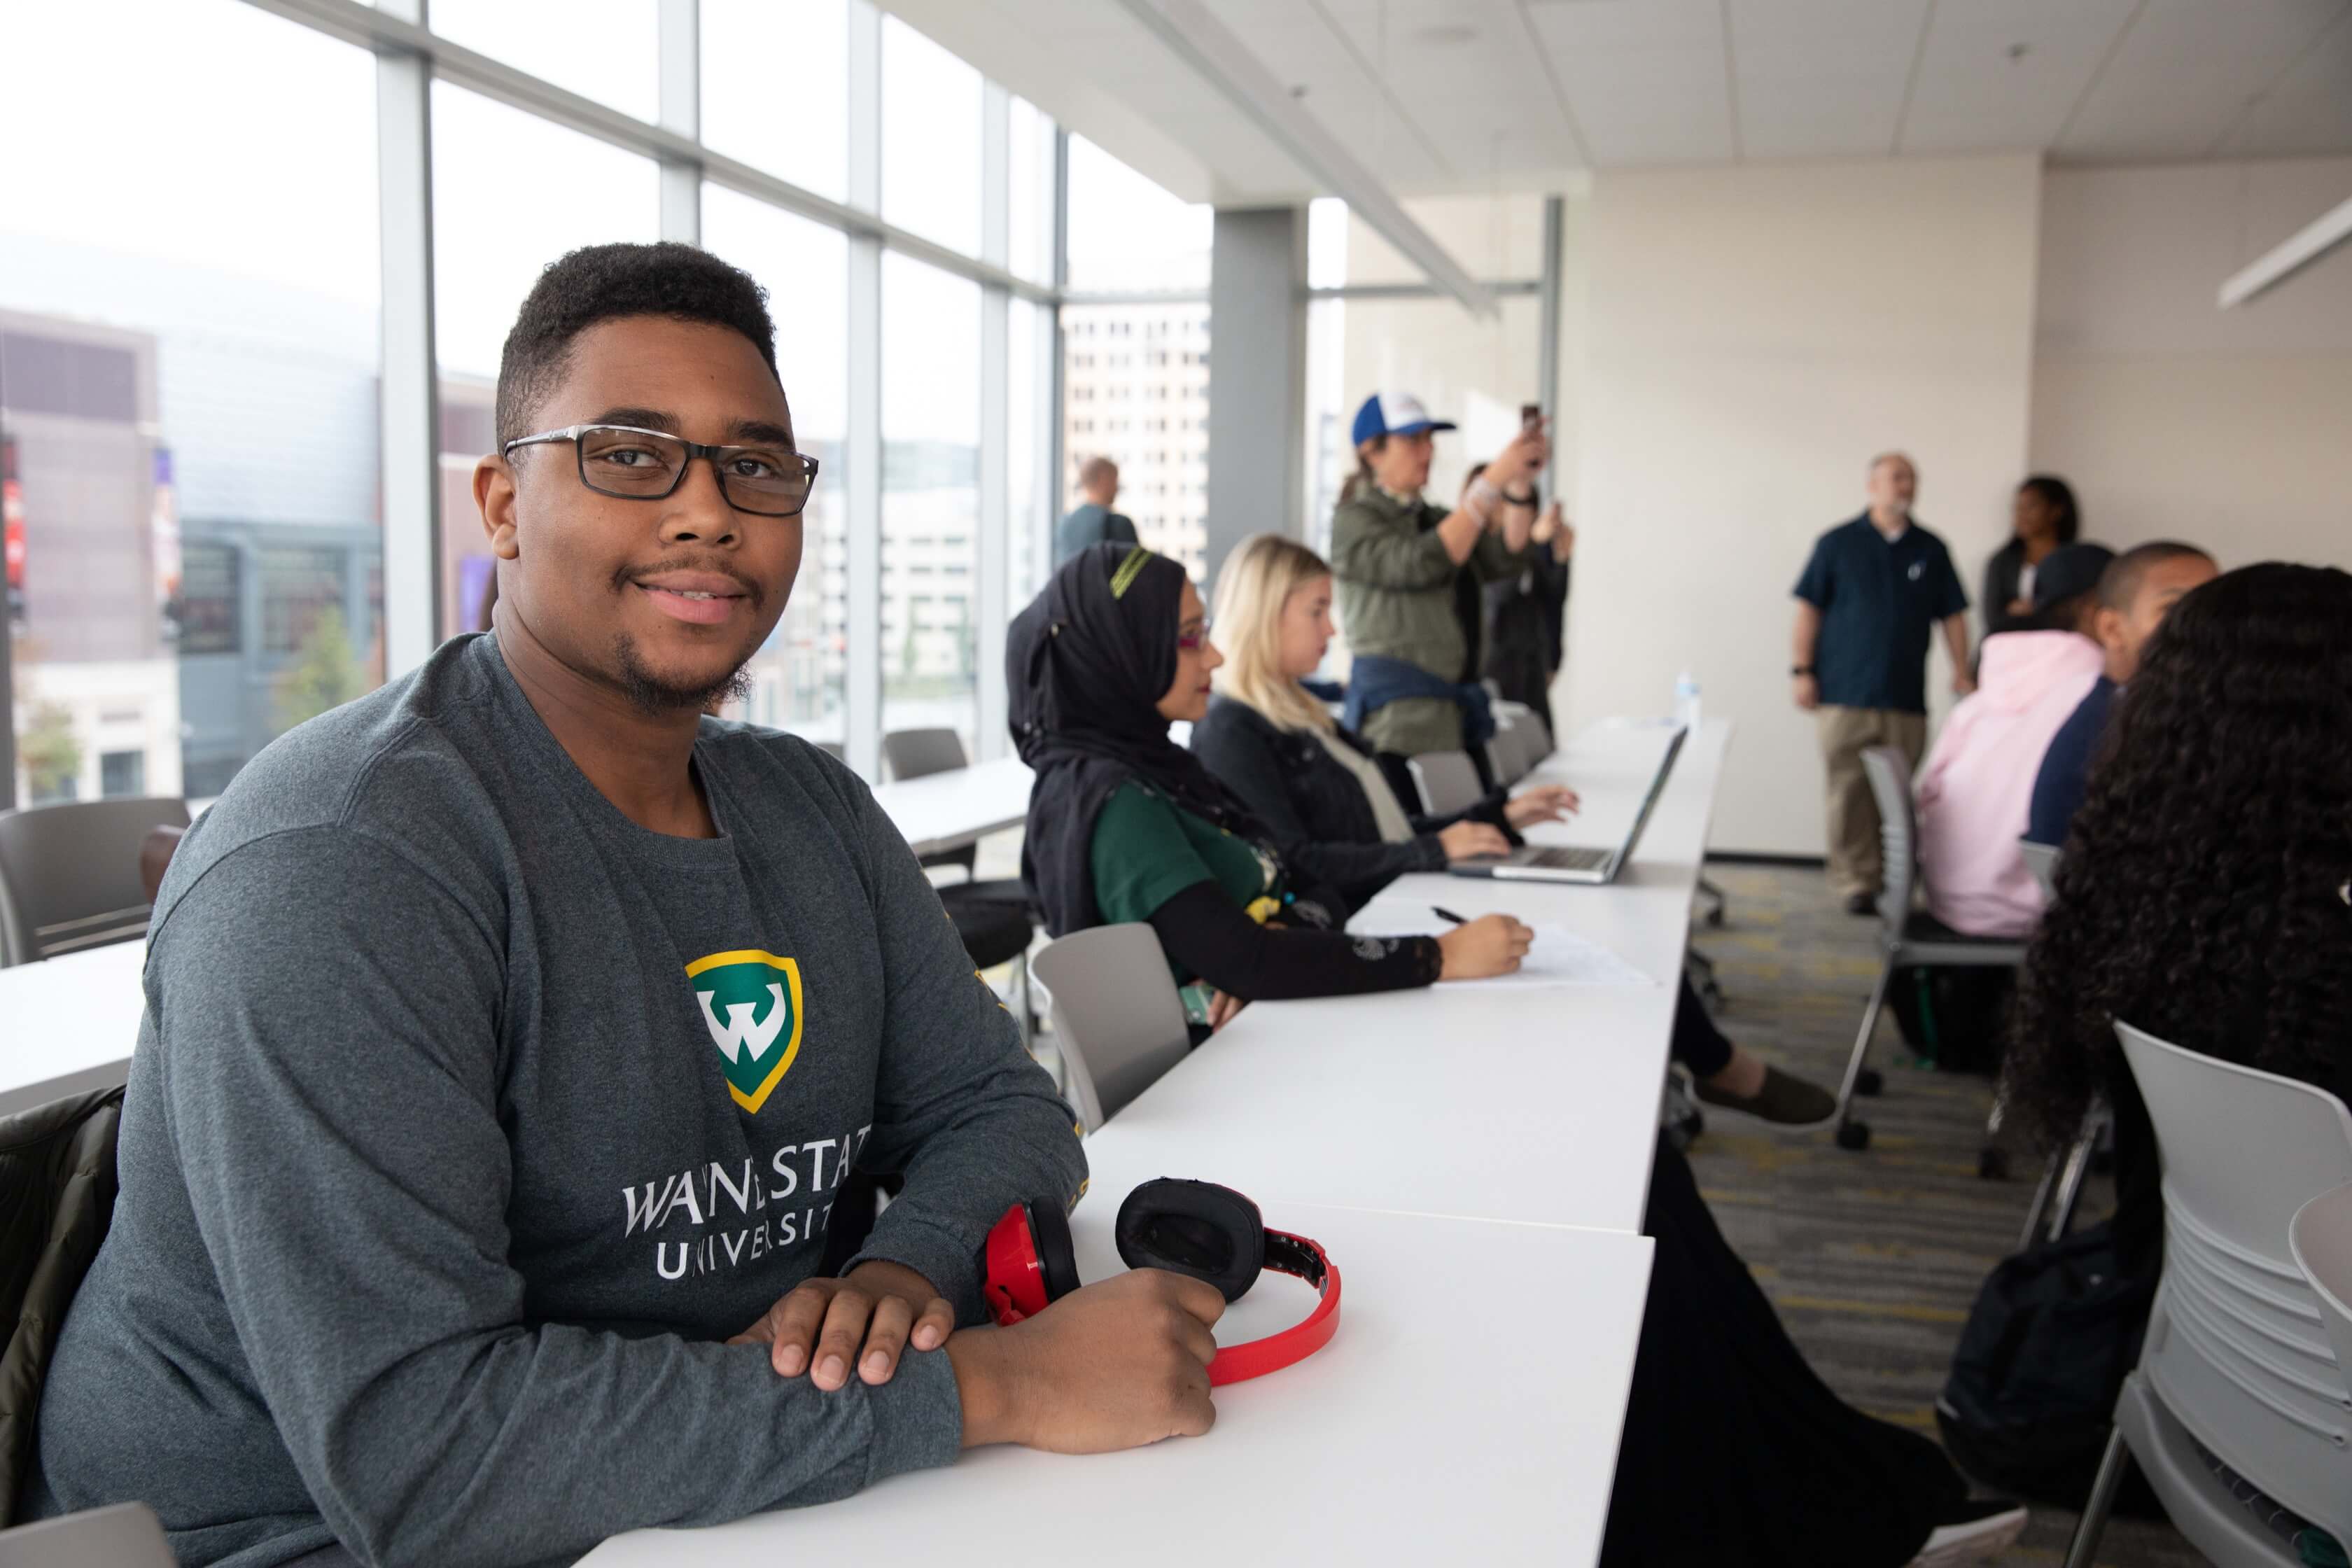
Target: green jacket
<point>1396,581</point>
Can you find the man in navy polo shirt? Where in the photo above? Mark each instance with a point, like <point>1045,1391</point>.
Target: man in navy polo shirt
<point>1865,605</point>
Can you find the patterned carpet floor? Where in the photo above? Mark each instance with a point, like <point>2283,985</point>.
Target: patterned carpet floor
<point>1874,1257</point>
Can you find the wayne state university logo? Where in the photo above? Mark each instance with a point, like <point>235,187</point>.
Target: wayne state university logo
<point>752,1004</point>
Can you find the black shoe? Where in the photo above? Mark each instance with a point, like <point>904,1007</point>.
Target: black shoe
<point>1862,903</point>
<point>1784,1100</point>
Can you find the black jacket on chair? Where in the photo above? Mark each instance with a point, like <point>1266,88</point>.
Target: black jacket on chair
<point>56,1198</point>
<point>1322,821</point>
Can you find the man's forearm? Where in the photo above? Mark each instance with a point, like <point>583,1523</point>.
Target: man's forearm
<point>1956,637</point>
<point>1807,633</point>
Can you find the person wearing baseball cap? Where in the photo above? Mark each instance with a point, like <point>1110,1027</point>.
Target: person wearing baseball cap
<point>1395,558</point>
<point>1977,791</point>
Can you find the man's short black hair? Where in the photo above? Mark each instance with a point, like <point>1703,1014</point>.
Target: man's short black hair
<point>2119,583</point>
<point>603,282</point>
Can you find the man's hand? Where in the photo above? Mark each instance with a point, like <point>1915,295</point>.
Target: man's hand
<point>1544,803</point>
<point>1223,1005</point>
<point>1808,692</point>
<point>1963,683</point>
<point>1113,1365</point>
<point>880,1306</point>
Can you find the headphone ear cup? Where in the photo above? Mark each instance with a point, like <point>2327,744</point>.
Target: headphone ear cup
<point>1212,1232</point>
<point>1049,1227</point>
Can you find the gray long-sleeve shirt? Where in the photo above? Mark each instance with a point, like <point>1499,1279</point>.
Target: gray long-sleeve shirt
<point>468,1119</point>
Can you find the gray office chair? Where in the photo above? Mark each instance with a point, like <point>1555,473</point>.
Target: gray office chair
<point>2321,1239</point>
<point>1507,755</point>
<point>2062,1177</point>
<point>1117,1016</point>
<point>2041,859</point>
<point>1908,938</point>
<point>69,874</point>
<point>1537,738</point>
<point>1448,781</point>
<point>2236,1359</point>
<point>127,1535</point>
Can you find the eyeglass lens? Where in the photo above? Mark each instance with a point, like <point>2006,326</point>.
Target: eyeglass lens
<point>639,463</point>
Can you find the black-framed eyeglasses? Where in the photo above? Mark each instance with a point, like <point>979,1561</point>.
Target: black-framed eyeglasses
<point>647,464</point>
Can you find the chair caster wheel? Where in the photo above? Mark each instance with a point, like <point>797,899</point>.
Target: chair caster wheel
<point>1993,1164</point>
<point>1853,1135</point>
<point>1868,1081</point>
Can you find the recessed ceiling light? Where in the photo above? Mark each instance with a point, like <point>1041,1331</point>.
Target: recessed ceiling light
<point>1445,34</point>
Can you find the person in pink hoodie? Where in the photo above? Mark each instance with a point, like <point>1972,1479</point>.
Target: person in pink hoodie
<point>1978,785</point>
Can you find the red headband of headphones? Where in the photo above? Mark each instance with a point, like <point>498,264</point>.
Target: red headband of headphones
<point>1198,1228</point>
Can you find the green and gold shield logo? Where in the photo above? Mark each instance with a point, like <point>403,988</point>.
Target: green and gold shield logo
<point>752,1004</point>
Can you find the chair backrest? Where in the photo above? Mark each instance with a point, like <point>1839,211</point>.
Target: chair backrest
<point>1506,754</point>
<point>127,1535</point>
<point>1889,772</point>
<point>69,874</point>
<point>1535,738</point>
<point>2321,1239</point>
<point>1448,781</point>
<point>2041,859</point>
<point>914,754</point>
<point>1117,1016</point>
<point>2236,1349</point>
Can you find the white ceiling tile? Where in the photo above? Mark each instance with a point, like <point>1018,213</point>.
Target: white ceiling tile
<point>1645,79</point>
<point>1972,95</point>
<point>2185,72</point>
<point>1820,79</point>
<point>2310,110</point>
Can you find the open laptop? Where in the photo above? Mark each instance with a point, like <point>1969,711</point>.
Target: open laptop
<point>1595,866</point>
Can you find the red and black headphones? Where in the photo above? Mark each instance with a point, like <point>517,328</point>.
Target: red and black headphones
<point>1209,1232</point>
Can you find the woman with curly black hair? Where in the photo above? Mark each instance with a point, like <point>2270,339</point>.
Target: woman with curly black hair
<point>2202,892</point>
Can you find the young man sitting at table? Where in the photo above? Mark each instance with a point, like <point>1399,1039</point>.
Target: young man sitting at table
<point>509,1032</point>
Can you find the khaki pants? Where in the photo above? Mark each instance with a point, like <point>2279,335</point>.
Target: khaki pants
<point>1847,733</point>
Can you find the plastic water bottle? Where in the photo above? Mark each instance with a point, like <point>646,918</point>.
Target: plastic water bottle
<point>1686,699</point>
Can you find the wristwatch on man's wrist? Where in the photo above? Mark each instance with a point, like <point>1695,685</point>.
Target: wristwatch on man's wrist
<point>1800,669</point>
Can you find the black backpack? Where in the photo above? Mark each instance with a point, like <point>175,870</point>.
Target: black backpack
<point>2033,1384</point>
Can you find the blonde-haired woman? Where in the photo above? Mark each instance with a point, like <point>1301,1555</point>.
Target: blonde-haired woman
<point>1333,813</point>
<point>1317,785</point>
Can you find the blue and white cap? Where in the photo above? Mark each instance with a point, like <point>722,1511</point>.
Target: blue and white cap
<point>1394,414</point>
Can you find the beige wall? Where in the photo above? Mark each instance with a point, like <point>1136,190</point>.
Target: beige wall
<point>2172,418</point>
<point>1751,336</point>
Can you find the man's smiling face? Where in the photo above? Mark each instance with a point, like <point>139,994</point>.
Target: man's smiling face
<point>664,600</point>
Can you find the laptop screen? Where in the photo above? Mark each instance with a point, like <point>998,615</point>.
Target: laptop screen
<point>1657,788</point>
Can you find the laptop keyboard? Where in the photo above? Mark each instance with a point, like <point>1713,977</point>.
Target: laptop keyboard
<point>1570,860</point>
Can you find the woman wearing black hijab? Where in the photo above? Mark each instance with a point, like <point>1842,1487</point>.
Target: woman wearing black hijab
<point>1125,825</point>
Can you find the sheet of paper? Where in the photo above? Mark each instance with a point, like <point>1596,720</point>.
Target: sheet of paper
<point>1556,957</point>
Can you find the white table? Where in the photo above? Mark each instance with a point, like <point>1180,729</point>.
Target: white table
<point>1531,1105</point>
<point>67,1024</point>
<point>1469,1407</point>
<point>947,811</point>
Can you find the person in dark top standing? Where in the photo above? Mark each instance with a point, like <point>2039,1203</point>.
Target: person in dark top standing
<point>2045,518</point>
<point>1092,522</point>
<point>1867,603</point>
<point>1524,617</point>
<point>2206,891</point>
<point>509,1031</point>
<point>2138,590</point>
<point>1126,825</point>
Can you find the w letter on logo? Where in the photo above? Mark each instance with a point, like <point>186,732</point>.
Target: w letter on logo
<point>750,1002</point>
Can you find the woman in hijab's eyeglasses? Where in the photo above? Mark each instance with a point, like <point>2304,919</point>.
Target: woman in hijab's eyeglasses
<point>1124,825</point>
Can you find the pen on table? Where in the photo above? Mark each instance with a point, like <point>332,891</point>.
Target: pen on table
<point>1446,914</point>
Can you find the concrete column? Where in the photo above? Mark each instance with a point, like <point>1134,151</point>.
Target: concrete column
<point>1257,376</point>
